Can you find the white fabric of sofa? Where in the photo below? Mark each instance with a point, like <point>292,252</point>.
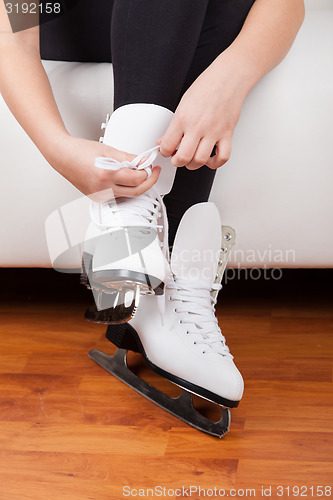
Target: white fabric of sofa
<point>276,190</point>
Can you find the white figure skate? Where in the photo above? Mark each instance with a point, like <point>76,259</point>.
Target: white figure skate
<point>186,345</point>
<point>126,250</point>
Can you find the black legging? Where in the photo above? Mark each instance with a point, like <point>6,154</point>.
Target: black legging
<point>158,48</point>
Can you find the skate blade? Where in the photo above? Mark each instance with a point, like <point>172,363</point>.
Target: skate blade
<point>181,407</point>
<point>118,286</point>
<point>111,309</point>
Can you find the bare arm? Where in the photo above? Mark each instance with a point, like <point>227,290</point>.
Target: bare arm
<point>266,37</point>
<point>25,87</point>
<point>27,91</point>
<point>210,109</point>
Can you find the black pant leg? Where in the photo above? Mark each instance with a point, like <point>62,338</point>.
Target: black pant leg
<point>223,21</point>
<point>159,47</point>
<point>153,43</point>
<point>81,33</point>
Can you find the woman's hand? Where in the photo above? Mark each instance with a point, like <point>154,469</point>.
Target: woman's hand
<point>206,117</point>
<point>28,93</point>
<point>209,110</point>
<point>74,158</point>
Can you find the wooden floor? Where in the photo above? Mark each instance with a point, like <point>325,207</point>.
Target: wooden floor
<point>70,431</point>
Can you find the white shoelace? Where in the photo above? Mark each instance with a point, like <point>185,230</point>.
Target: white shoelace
<point>111,164</point>
<point>198,311</point>
<point>144,209</point>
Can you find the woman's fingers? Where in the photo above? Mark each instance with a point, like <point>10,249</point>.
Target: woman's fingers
<point>170,140</point>
<point>137,190</point>
<point>202,154</point>
<point>129,177</point>
<point>194,150</point>
<point>186,151</point>
<point>129,182</point>
<point>223,152</point>
<point>116,154</point>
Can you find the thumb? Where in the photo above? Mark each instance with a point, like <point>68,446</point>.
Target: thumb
<point>116,154</point>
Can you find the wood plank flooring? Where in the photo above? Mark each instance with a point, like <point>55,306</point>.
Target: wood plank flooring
<point>70,431</point>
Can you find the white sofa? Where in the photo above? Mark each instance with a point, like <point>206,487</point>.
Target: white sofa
<point>276,190</point>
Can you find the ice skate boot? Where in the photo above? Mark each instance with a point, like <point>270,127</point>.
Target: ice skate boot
<point>126,251</point>
<point>185,345</point>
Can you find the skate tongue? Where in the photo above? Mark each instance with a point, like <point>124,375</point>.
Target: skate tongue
<point>197,245</point>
